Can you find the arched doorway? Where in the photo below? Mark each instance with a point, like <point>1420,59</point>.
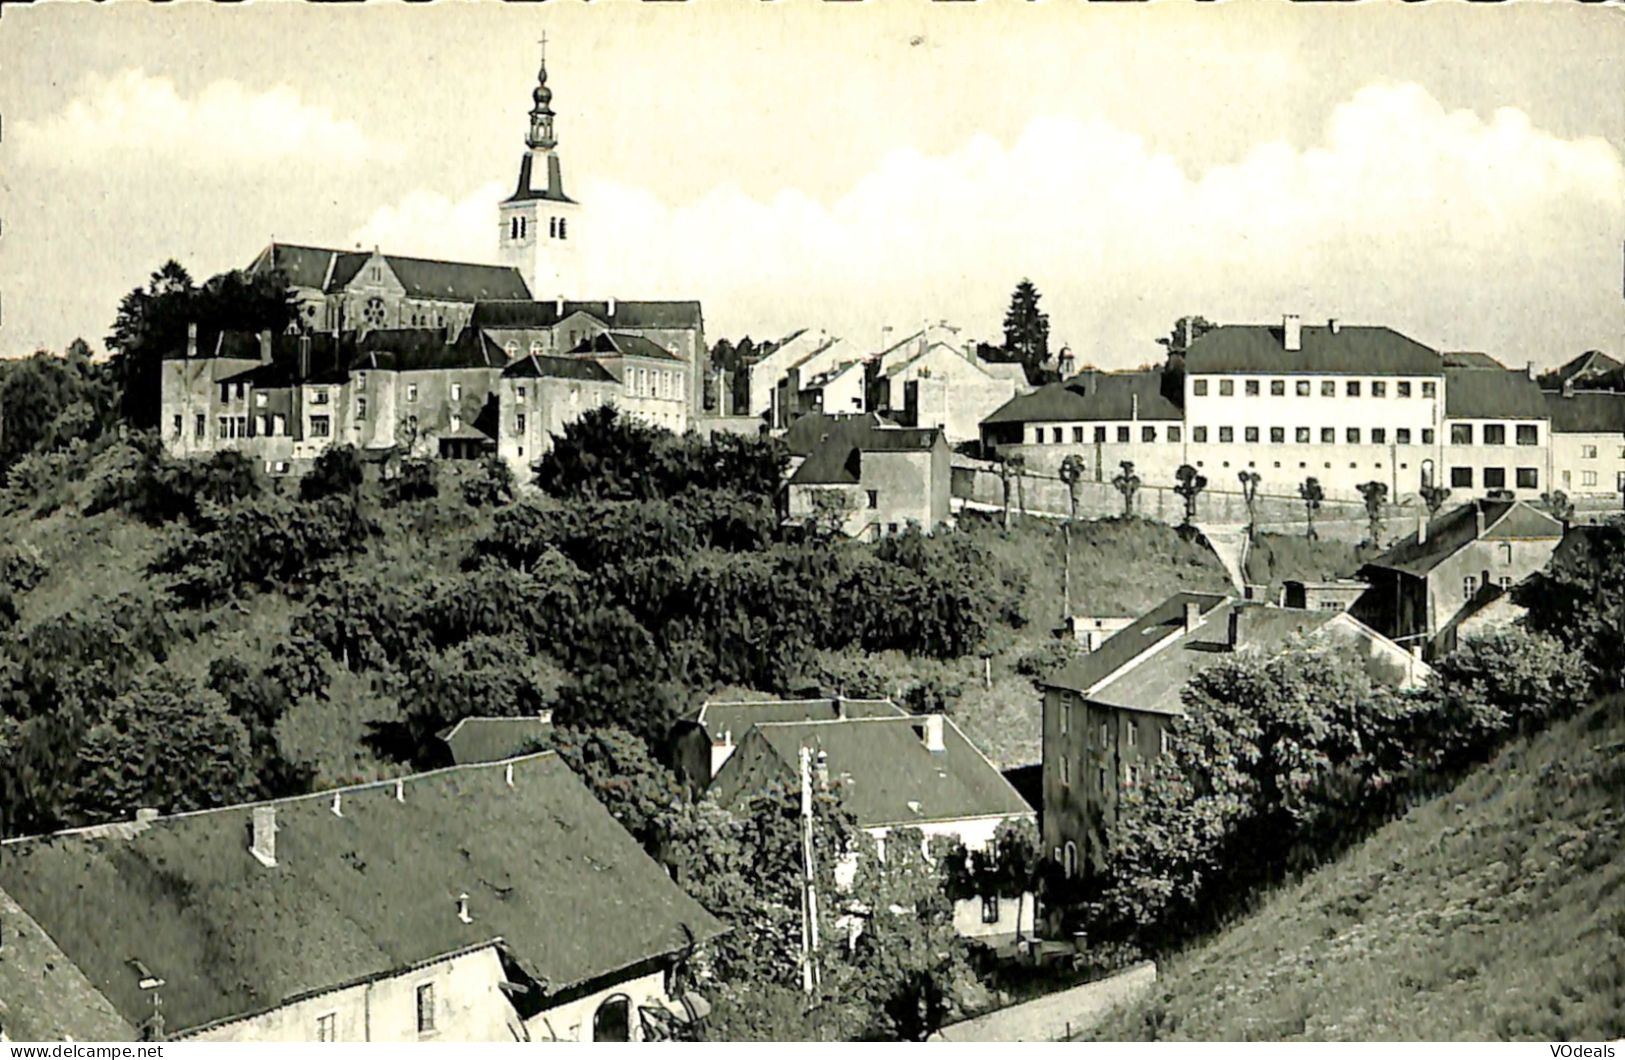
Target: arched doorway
<point>613,1020</point>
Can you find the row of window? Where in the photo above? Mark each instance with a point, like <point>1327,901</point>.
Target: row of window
<point>1494,434</point>
<point>1327,435</point>
<point>327,1024</point>
<point>519,228</point>
<point>1460,434</point>
<point>1469,585</point>
<point>1305,388</point>
<point>1495,478</point>
<point>1148,433</point>
<point>1132,774</point>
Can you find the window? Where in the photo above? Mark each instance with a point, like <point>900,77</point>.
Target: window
<point>552,228</point>
<point>1227,434</point>
<point>1328,435</point>
<point>1250,434</point>
<point>279,424</point>
<point>874,498</point>
<point>563,231</point>
<point>1352,389</point>
<point>519,423</point>
<point>318,396</point>
<point>1066,772</point>
<point>411,391</point>
<point>1148,434</point>
<point>513,228</point>
<point>1430,390</point>
<point>1504,554</point>
<point>225,393</point>
<point>1504,582</point>
<point>1077,436</point>
<point>1100,435</point>
<point>1055,435</point>
<point>1461,434</point>
<point>199,425</point>
<point>1379,388</point>
<point>242,426</point>
<point>1301,435</point>
<point>259,426</point>
<point>1427,435</point>
<point>990,909</point>
<point>1328,388</point>
<point>321,426</point>
<point>1133,777</point>
<point>426,1008</point>
<point>1461,477</point>
<point>1352,435</point>
<point>1587,478</point>
<point>360,408</point>
<point>259,401</point>
<point>1038,432</point>
<point>519,392</point>
<point>223,428</point>
<point>1495,434</point>
<point>1173,433</point>
<point>1495,478</point>
<point>1277,388</point>
<point>1065,714</point>
<point>1069,859</point>
<point>1469,586</point>
<point>1528,434</point>
<point>1252,388</point>
<point>1379,436</point>
<point>1227,387</point>
<point>1277,435</point>
<point>176,431</point>
<point>1199,434</point>
<point>1402,389</point>
<point>1199,388</point>
<point>1122,434</point>
<point>1402,436</point>
<point>1303,388</point>
<point>1588,452</point>
<point>891,529</point>
<point>1134,734</point>
<point>1105,735</point>
<point>327,1027</point>
<point>1166,742</point>
<point>457,391</point>
<point>1529,479</point>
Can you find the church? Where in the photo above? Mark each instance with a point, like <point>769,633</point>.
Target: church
<point>455,359</point>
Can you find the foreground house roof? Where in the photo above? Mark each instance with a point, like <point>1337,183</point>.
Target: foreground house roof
<point>1480,393</point>
<point>43,996</point>
<point>492,739</point>
<point>1351,349</point>
<point>738,717</point>
<point>837,460</point>
<point>885,773</point>
<point>811,430</point>
<point>1100,396</point>
<point>621,344</point>
<point>1460,527</point>
<point>550,875</point>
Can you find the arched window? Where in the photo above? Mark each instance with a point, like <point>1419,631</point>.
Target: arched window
<point>613,1020</point>
<point>1069,860</point>
<point>524,227</point>
<point>513,228</point>
<point>552,228</point>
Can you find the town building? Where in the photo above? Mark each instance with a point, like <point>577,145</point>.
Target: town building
<point>1497,434</point>
<point>1588,442</point>
<point>873,482</point>
<point>892,773</point>
<point>483,738</point>
<point>1103,418</point>
<point>1427,583</point>
<point>1107,715</point>
<point>1588,369</point>
<point>495,902</point>
<point>943,386</point>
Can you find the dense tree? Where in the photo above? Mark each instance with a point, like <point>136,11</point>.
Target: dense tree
<point>46,402</point>
<point>490,485</point>
<point>1558,506</point>
<point>1072,472</point>
<point>1579,598</point>
<point>1026,330</point>
<point>1186,330</point>
<point>335,473</point>
<point>140,478</point>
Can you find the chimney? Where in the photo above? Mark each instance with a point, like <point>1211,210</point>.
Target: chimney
<point>1184,333</point>
<point>1421,528</point>
<point>1292,332</point>
<point>612,305</point>
<point>265,347</point>
<point>1238,631</point>
<point>1134,406</point>
<point>1568,388</point>
<point>191,339</point>
<point>338,804</point>
<point>1333,326</point>
<point>462,908</point>
<point>933,733</point>
<point>146,815</point>
<point>1193,615</point>
<point>558,307</point>
<point>263,846</point>
<point>1529,367</point>
<point>970,352</point>
<point>1478,519</point>
<point>821,771</point>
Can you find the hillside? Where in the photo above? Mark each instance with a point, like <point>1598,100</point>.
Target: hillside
<point>1495,911</point>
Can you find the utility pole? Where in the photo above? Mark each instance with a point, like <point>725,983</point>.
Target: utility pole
<point>809,892</point>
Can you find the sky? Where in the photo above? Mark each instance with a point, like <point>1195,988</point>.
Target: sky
<point>1455,172</point>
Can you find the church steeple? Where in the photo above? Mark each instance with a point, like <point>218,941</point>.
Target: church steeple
<point>541,113</point>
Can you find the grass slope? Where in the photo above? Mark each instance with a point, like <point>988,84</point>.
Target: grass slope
<point>1496,911</point>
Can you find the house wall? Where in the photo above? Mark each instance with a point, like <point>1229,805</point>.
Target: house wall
<point>546,405</point>
<point>1326,403</point>
<point>1511,560</point>
<point>469,1006</point>
<point>951,392</point>
<point>1465,464</point>
<point>189,388</point>
<point>908,486</point>
<point>572,1021</point>
<point>976,833</point>
<point>1588,464</point>
<point>653,391</point>
<point>431,405</point>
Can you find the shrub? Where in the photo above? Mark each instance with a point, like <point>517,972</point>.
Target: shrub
<point>490,485</point>
<point>336,472</point>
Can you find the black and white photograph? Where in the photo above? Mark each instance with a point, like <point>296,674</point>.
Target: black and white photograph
<point>809,521</point>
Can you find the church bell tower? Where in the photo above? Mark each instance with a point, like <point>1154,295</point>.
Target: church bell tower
<point>539,227</point>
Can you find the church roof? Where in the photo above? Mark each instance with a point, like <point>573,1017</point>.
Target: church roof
<point>552,192</point>
<point>428,278</point>
<point>523,313</point>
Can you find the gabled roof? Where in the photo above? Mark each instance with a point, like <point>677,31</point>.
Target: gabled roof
<point>1589,363</point>
<point>548,366</point>
<point>1130,642</point>
<point>1357,350</point>
<point>490,739</point>
<point>1455,529</point>
<point>303,266</point>
<point>809,431</point>
<point>429,278</point>
<point>882,769</point>
<point>838,459</point>
<point>1586,412</point>
<point>498,314</point>
<point>739,717</point>
<point>622,344</point>
<point>1470,359</point>
<point>44,997</point>
<point>569,894</point>
<point>424,349</point>
<point>1100,396</point>
<point>1482,393</point>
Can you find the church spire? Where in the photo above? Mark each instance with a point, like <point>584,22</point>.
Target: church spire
<point>541,113</point>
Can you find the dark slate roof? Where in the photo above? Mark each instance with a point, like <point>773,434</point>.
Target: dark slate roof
<point>739,717</point>
<point>1357,350</point>
<point>881,765</point>
<point>1479,393</point>
<point>1470,359</point>
<point>553,192</point>
<point>838,460</point>
<point>1455,529</point>
<point>549,872</point>
<point>1586,412</point>
<point>303,266</point>
<point>474,740</point>
<point>454,281</point>
<point>44,997</point>
<point>541,365</point>
<point>625,345</point>
<point>1091,396</point>
<point>528,314</point>
<point>1128,674</point>
<point>808,432</point>
<point>422,349</point>
<point>1591,362</point>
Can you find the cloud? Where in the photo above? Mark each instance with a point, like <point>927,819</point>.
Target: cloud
<point>224,127</point>
<point>1456,228</point>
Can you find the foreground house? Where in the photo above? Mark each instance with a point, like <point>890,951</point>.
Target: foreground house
<point>699,746</point>
<point>873,481</point>
<point>891,773</point>
<point>477,738</point>
<point>1108,714</point>
<point>498,902</point>
<point>1425,586</point>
